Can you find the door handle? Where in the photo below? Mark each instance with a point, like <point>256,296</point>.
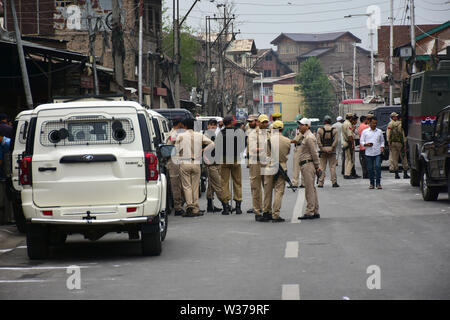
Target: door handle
<point>42,169</point>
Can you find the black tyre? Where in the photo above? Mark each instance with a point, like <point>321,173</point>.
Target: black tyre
<point>37,242</point>
<point>151,239</point>
<point>19,217</point>
<point>428,193</point>
<point>414,178</point>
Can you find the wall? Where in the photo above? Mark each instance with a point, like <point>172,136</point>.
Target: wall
<point>291,100</point>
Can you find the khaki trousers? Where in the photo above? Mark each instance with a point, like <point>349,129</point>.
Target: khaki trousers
<point>190,180</point>
<point>332,161</point>
<point>214,182</point>
<point>312,202</point>
<point>235,171</point>
<point>395,151</point>
<point>175,184</point>
<point>349,161</point>
<point>256,186</point>
<point>296,168</point>
<point>278,187</point>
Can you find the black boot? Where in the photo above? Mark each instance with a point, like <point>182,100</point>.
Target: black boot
<point>211,207</point>
<point>397,176</point>
<point>405,174</point>
<point>226,208</point>
<point>238,207</point>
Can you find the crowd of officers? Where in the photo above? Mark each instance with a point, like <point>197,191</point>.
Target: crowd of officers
<point>220,148</point>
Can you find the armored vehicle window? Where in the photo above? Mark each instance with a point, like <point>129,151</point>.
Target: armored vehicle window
<point>445,124</point>
<point>416,90</point>
<point>440,83</point>
<point>437,131</point>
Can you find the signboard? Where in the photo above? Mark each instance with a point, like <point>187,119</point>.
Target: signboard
<point>405,52</point>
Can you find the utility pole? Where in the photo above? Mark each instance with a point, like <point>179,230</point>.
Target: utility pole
<point>354,70</point>
<point>117,43</point>
<point>176,46</point>
<point>391,55</point>
<point>91,46</point>
<point>413,35</point>
<point>23,65</point>
<point>141,12</point>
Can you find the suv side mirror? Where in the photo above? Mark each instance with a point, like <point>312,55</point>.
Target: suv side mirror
<point>166,150</point>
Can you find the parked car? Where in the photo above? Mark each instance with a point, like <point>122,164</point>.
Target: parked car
<point>435,159</point>
<point>172,114</point>
<point>14,188</point>
<point>92,167</point>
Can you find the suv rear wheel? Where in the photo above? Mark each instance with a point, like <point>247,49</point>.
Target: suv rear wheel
<point>151,239</point>
<point>428,193</point>
<point>37,242</point>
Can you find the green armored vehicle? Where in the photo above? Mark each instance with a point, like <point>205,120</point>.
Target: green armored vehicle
<point>424,95</point>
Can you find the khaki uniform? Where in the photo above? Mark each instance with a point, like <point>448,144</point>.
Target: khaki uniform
<point>397,141</point>
<point>189,148</point>
<point>174,175</point>
<point>296,166</point>
<point>309,163</point>
<point>349,153</point>
<point>282,145</point>
<point>255,141</point>
<point>325,157</point>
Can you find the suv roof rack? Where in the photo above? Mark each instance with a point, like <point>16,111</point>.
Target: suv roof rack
<point>110,97</point>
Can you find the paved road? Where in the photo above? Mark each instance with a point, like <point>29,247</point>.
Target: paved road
<point>234,257</point>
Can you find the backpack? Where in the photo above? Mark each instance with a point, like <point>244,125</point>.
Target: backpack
<point>327,137</point>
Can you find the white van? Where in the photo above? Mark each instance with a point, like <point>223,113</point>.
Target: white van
<point>18,144</point>
<point>92,168</point>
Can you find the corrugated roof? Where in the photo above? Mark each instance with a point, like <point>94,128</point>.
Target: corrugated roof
<point>314,37</point>
<point>245,45</point>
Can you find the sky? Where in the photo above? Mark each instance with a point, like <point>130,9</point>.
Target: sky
<point>264,20</point>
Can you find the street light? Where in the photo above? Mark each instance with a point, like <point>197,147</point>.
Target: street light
<point>372,78</point>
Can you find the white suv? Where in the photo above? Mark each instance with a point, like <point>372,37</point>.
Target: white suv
<point>92,168</point>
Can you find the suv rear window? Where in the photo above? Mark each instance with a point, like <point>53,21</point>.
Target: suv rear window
<point>86,131</point>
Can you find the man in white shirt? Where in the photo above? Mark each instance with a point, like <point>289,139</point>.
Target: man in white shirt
<point>372,139</point>
<point>338,127</point>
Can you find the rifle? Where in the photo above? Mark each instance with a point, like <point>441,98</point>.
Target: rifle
<point>284,175</point>
<point>318,176</point>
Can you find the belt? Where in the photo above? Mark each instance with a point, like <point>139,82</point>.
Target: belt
<point>305,162</point>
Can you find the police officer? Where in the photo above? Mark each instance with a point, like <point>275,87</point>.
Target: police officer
<point>254,147</point>
<point>327,140</point>
<point>189,146</point>
<point>213,171</point>
<point>174,168</point>
<point>396,139</point>
<point>348,146</point>
<point>278,151</point>
<point>296,162</point>
<point>310,167</point>
<point>229,137</point>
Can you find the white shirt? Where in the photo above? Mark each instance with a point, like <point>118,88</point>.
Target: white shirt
<point>375,137</point>
<point>338,126</point>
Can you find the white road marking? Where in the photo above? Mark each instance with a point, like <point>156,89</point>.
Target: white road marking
<point>300,205</point>
<point>5,250</point>
<point>290,292</point>
<point>291,249</point>
<point>23,281</point>
<point>39,268</point>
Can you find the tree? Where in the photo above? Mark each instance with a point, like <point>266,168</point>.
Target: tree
<point>189,48</point>
<point>316,88</point>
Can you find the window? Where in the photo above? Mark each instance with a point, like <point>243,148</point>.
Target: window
<point>237,58</point>
<point>278,72</point>
<point>416,90</point>
<point>341,47</point>
<point>86,131</point>
<point>268,57</point>
<point>437,131</point>
<point>440,83</point>
<point>267,73</point>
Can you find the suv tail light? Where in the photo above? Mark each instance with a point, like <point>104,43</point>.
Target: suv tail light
<point>151,165</point>
<point>25,171</point>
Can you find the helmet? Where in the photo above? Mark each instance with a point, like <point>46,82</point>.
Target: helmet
<point>327,119</point>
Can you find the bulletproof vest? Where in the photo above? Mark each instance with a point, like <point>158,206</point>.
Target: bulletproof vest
<point>327,137</point>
